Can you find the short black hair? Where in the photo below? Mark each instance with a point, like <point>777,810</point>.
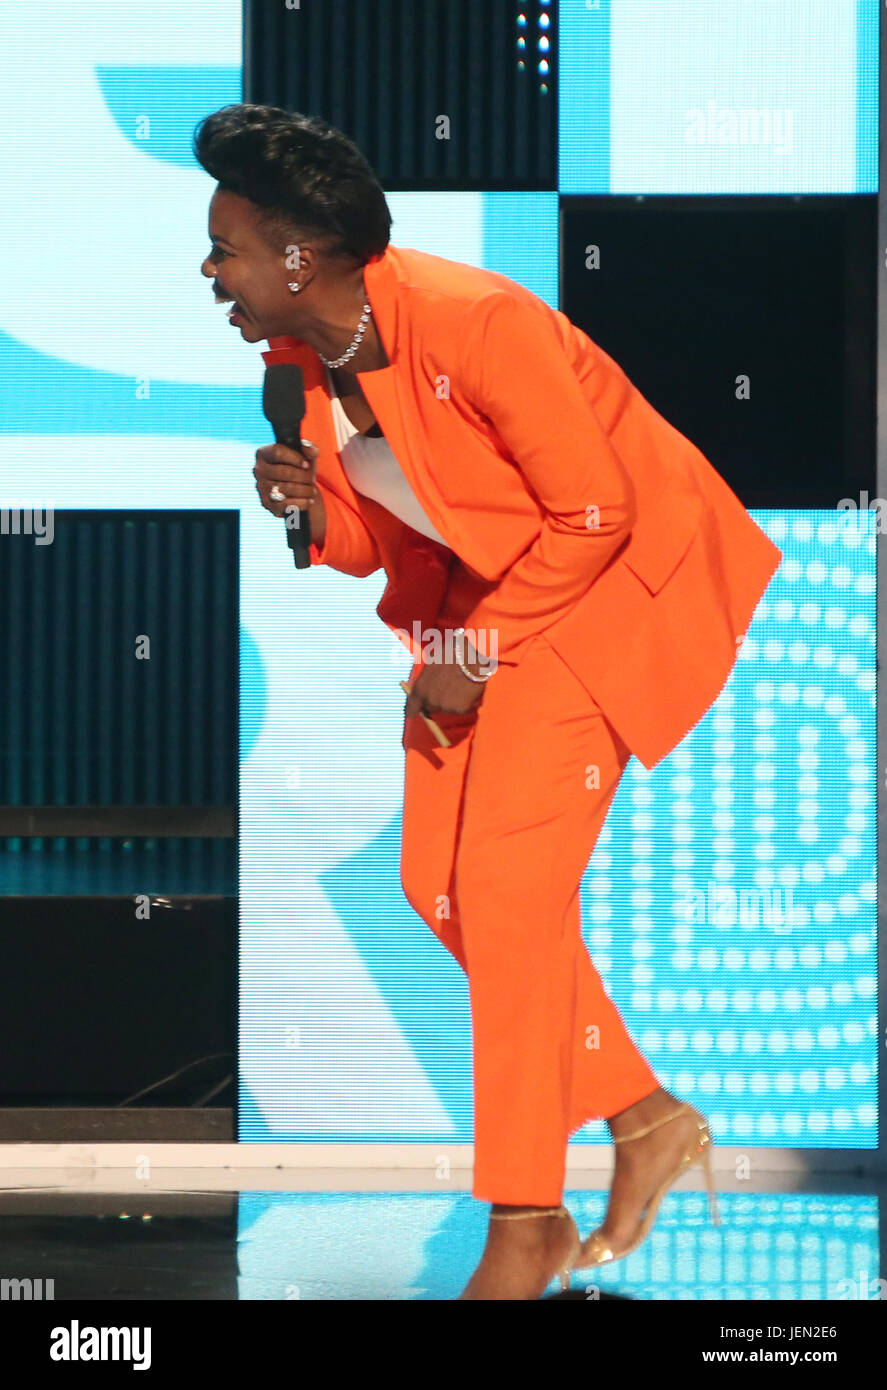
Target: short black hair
<point>303,174</point>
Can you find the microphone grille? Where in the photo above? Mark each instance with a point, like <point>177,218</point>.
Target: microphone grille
<point>283,397</point>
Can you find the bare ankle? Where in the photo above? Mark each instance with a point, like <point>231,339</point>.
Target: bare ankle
<point>644,1111</point>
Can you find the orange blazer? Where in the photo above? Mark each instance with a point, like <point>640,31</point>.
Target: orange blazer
<point>579,510</point>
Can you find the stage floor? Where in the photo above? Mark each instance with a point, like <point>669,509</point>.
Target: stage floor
<point>820,1241</point>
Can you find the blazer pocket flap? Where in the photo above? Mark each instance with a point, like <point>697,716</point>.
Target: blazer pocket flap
<point>654,553</point>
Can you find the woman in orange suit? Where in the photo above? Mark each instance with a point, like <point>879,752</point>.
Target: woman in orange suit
<point>572,578</point>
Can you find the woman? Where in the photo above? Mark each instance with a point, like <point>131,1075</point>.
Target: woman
<point>588,577</point>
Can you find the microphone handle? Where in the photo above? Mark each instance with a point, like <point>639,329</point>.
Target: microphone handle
<point>298,538</point>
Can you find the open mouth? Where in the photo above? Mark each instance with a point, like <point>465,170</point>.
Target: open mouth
<point>222,298</point>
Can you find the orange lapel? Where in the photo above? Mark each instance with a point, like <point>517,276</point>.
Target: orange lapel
<point>387,390</point>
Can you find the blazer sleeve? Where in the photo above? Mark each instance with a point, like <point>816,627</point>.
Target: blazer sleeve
<point>517,373</point>
<point>348,545</point>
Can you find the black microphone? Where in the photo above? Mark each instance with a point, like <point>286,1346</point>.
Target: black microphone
<point>283,402</point>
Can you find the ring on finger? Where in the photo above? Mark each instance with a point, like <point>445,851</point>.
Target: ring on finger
<point>275,494</point>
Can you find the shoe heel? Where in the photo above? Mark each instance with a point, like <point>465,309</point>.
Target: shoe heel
<point>709,1179</point>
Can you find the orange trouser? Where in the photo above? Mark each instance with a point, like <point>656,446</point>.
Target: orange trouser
<point>497,834</point>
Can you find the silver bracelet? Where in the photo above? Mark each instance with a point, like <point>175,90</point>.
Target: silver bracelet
<point>460,659</point>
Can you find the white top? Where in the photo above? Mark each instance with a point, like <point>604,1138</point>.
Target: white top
<point>373,470</point>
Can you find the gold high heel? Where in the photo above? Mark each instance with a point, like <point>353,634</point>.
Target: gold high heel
<point>596,1251</point>
<point>564,1273</point>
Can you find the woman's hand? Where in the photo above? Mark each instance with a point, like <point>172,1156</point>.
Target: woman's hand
<point>294,475</point>
<point>444,686</point>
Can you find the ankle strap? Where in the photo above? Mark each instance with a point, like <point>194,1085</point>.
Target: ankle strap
<point>519,1215</point>
<point>639,1133</point>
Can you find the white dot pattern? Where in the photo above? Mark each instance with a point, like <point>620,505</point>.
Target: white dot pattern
<point>738,876</point>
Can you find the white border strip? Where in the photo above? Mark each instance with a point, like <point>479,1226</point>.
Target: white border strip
<point>352,1167</point>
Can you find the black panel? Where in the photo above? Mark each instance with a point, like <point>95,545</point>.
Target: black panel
<point>383,71</point>
<point>97,1004</point>
<point>693,293</point>
<point>83,721</point>
<point>93,1247</point>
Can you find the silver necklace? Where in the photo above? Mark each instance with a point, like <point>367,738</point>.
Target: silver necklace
<point>355,341</point>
